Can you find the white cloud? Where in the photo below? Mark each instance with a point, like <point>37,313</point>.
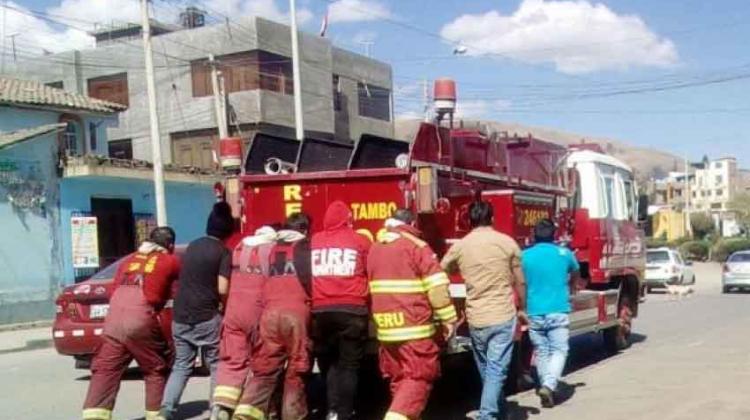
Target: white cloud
<point>268,9</point>
<point>357,11</point>
<point>480,108</point>
<point>34,35</point>
<point>577,36</point>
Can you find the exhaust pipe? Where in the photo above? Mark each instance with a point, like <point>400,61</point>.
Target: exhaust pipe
<point>276,166</point>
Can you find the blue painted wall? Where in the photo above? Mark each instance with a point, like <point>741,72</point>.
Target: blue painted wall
<point>188,206</point>
<point>29,246</point>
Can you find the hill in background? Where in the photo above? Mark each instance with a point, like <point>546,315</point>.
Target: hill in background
<point>648,163</point>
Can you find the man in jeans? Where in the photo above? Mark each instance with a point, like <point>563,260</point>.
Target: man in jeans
<point>551,274</point>
<point>489,262</point>
<point>202,287</point>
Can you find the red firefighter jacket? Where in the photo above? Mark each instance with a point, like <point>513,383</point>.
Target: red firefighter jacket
<point>284,288</point>
<point>402,270</point>
<point>338,258</point>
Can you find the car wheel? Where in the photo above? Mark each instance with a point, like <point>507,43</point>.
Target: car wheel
<point>726,289</point>
<point>692,280</point>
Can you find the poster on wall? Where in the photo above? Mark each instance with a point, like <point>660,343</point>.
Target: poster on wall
<point>144,224</point>
<point>85,242</point>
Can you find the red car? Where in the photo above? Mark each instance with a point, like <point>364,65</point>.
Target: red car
<point>81,309</point>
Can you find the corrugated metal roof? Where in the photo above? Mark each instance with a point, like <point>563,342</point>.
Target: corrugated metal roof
<point>31,93</point>
<point>15,137</point>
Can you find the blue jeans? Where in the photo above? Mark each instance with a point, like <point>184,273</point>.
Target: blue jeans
<point>493,349</point>
<point>549,334</point>
<point>188,338</point>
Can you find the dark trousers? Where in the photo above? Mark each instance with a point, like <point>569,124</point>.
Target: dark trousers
<point>339,339</point>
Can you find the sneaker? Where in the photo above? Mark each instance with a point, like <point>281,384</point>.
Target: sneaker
<point>547,397</point>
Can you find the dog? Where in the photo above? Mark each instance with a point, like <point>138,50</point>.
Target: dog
<point>677,291</point>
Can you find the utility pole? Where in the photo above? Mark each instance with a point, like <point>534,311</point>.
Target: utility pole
<point>161,205</point>
<point>426,100</point>
<point>299,124</point>
<point>686,189</point>
<point>2,34</point>
<point>219,100</point>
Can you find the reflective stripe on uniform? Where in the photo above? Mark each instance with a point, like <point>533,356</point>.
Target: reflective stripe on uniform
<point>153,415</point>
<point>406,333</point>
<point>435,280</point>
<point>447,313</point>
<point>97,414</point>
<point>396,286</point>
<point>249,410</point>
<point>228,392</point>
<point>392,415</point>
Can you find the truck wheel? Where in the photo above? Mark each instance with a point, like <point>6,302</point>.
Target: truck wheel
<point>726,289</point>
<point>617,338</point>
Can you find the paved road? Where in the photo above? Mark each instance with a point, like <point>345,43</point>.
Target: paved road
<point>691,360</point>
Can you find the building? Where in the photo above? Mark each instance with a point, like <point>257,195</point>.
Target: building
<point>54,176</point>
<point>344,94</point>
<point>714,185</point>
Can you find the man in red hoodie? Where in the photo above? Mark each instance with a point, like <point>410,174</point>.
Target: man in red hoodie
<point>339,306</point>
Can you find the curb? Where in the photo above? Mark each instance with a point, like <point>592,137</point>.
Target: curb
<point>30,345</point>
<point>47,323</point>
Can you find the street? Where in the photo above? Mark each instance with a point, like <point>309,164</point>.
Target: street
<point>689,360</point>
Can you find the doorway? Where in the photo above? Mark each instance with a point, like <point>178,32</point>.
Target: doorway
<point>115,230</point>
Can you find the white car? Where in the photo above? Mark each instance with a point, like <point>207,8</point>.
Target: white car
<point>736,273</point>
<point>666,266</point>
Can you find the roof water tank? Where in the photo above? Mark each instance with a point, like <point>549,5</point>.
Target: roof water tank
<point>445,95</point>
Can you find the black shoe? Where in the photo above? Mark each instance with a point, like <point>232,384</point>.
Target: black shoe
<point>547,397</point>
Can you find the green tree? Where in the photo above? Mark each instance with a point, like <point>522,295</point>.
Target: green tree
<point>702,224</point>
<point>740,206</point>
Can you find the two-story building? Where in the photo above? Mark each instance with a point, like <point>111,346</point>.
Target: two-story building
<point>344,94</point>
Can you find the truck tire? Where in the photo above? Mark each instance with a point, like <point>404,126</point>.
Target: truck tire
<point>617,338</point>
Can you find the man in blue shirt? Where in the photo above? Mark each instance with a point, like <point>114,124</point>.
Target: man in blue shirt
<point>551,273</point>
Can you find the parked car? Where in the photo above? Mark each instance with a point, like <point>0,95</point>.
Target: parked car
<point>736,272</point>
<point>80,312</point>
<point>666,266</point>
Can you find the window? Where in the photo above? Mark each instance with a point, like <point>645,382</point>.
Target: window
<point>56,85</point>
<point>719,192</point>
<point>92,137</point>
<point>71,140</point>
<point>374,101</point>
<point>247,70</point>
<point>609,195</point>
<point>719,179</point>
<point>112,88</point>
<point>194,149</point>
<point>121,149</point>
<point>630,199</point>
<point>336,93</point>
<point>717,165</point>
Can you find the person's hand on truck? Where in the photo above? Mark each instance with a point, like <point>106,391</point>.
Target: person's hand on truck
<point>449,330</point>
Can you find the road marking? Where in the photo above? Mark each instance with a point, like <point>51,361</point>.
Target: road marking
<point>695,344</point>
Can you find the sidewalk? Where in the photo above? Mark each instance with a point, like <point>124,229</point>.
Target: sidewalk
<point>14,338</point>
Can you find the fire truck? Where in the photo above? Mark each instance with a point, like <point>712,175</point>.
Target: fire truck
<point>447,166</point>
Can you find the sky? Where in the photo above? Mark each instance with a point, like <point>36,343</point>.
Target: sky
<point>671,74</point>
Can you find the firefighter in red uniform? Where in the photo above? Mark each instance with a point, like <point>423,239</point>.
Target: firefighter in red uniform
<point>339,305</point>
<point>250,267</point>
<point>409,291</point>
<point>132,330</point>
<point>283,345</point>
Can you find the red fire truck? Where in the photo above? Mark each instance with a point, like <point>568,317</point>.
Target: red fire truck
<point>592,196</point>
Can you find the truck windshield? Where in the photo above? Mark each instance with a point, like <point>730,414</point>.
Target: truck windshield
<point>657,257</point>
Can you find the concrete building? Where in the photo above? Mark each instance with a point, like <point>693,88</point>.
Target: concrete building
<point>344,94</point>
<point>714,185</point>
<point>54,173</point>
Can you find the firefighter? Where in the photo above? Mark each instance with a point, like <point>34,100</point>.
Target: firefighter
<point>409,292</point>
<point>249,270</point>
<point>132,330</point>
<point>339,305</point>
<point>283,345</point>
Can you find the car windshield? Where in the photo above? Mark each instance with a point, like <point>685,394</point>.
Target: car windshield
<point>657,257</point>
<point>738,258</point>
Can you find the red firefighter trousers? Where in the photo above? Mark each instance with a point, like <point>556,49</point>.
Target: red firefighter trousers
<point>412,367</point>
<point>240,322</point>
<point>282,340</point>
<point>139,336</point>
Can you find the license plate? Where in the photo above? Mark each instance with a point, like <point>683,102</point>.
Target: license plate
<point>98,311</point>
